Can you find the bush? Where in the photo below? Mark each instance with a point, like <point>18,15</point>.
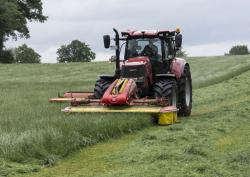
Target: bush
<point>76,51</point>
<point>25,54</point>
<point>6,56</point>
<point>239,50</point>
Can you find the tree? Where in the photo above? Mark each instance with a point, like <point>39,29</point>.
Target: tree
<point>239,50</point>
<point>14,15</point>
<point>76,51</point>
<point>25,54</point>
<point>7,57</point>
<point>181,53</point>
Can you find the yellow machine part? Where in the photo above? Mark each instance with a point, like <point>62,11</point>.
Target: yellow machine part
<point>123,85</point>
<point>99,109</point>
<point>61,100</point>
<point>119,87</point>
<point>164,118</point>
<point>167,118</point>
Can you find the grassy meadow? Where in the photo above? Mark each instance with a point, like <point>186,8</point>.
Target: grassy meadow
<point>34,133</point>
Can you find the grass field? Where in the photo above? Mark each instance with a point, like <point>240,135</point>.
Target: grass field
<point>34,132</point>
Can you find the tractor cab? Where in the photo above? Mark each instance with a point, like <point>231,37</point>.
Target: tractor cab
<point>159,46</point>
<point>148,54</point>
<point>158,50</point>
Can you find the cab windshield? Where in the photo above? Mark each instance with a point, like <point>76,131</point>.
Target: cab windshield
<point>150,47</point>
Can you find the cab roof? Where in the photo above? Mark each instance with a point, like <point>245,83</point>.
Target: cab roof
<point>148,33</point>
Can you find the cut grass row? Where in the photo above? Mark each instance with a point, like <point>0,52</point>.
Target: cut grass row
<point>213,142</point>
<point>34,133</point>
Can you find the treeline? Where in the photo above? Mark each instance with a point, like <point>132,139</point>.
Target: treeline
<point>14,17</point>
<point>22,54</point>
<point>238,50</point>
<point>76,51</point>
<point>235,50</point>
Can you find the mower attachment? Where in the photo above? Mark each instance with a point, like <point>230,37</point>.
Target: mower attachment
<point>82,102</point>
<point>71,97</point>
<point>120,97</point>
<point>166,115</point>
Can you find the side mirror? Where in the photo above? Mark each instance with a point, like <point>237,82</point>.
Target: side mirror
<point>106,40</point>
<point>178,41</point>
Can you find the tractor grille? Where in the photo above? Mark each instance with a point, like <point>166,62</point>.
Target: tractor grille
<point>133,71</point>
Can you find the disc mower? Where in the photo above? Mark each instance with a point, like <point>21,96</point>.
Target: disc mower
<point>149,78</point>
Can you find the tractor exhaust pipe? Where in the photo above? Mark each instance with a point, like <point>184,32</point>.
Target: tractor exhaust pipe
<point>117,44</point>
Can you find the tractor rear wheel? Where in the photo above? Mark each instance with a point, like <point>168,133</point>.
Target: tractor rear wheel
<point>185,93</point>
<point>101,86</point>
<point>166,88</point>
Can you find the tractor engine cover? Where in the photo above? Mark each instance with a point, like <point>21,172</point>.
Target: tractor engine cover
<point>139,69</point>
<point>120,92</point>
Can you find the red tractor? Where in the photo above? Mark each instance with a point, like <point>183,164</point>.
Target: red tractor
<point>150,79</point>
<point>149,70</point>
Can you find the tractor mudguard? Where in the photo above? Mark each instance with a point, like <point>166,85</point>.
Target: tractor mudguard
<point>167,76</point>
<point>177,67</point>
<point>107,77</point>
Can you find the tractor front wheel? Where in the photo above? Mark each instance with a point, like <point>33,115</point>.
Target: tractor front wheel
<point>167,89</point>
<point>101,86</point>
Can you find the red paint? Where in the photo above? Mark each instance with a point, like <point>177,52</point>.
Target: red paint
<point>149,33</point>
<point>177,67</point>
<point>123,98</point>
<point>142,60</point>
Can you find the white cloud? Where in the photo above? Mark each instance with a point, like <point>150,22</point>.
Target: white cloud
<point>204,22</point>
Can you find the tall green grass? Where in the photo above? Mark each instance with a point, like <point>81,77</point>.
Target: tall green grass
<point>32,131</point>
<point>212,70</point>
<point>214,141</point>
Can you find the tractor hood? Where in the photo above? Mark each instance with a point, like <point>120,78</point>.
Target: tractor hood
<point>137,68</point>
<point>136,61</point>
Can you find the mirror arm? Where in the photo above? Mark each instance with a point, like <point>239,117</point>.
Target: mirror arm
<point>117,43</point>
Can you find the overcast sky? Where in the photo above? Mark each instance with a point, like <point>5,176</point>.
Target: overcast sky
<point>209,27</point>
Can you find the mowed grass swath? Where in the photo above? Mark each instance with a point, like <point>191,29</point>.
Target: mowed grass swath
<point>213,142</point>
<point>32,131</point>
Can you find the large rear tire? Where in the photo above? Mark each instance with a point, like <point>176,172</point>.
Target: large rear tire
<point>185,93</point>
<point>166,88</point>
<point>101,86</point>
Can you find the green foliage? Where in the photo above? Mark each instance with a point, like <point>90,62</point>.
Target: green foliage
<point>25,54</point>
<point>14,15</point>
<point>181,53</point>
<point>239,50</point>
<point>7,57</point>
<point>76,51</point>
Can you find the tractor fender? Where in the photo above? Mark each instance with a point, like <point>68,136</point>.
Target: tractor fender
<point>165,76</point>
<point>107,77</point>
<point>177,67</point>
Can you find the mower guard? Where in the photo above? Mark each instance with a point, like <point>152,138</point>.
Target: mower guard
<point>166,115</point>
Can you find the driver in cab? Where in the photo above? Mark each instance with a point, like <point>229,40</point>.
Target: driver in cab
<point>151,51</point>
